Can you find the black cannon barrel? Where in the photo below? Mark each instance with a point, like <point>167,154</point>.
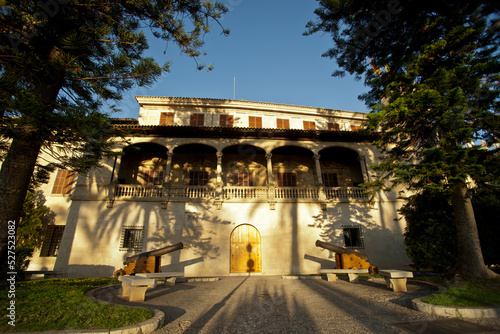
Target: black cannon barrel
<point>155,252</point>
<point>340,250</point>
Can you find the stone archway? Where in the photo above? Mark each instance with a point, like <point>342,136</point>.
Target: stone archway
<point>245,250</point>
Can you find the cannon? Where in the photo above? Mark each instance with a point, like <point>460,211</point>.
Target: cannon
<point>348,258</point>
<point>147,262</point>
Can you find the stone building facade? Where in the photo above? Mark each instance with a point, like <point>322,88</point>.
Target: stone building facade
<point>247,187</point>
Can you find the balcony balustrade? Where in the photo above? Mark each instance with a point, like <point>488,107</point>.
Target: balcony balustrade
<point>123,191</point>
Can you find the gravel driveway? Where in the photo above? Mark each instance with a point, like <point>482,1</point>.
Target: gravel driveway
<point>270,304</point>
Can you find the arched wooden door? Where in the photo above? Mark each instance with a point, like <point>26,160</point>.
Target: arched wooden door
<point>245,250</point>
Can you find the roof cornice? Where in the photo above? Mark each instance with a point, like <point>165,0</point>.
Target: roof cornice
<point>246,105</point>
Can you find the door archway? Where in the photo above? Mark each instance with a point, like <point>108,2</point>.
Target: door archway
<point>245,250</point>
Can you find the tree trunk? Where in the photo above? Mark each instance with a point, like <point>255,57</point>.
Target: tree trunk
<point>470,262</point>
<point>15,175</point>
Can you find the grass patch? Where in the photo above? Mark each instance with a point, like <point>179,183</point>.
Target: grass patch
<point>473,293</point>
<point>56,304</point>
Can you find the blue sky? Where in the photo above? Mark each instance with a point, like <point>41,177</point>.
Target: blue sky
<point>266,52</point>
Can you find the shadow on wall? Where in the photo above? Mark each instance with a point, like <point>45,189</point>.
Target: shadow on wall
<point>384,246</point>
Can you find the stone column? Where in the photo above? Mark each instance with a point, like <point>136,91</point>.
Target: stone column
<point>116,169</point>
<point>219,168</point>
<point>168,168</point>
<point>319,178</point>
<point>270,179</point>
<point>364,170</point>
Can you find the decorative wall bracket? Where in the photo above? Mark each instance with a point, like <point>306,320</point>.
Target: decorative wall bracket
<point>218,204</point>
<point>109,202</point>
<point>164,205</point>
<point>272,205</point>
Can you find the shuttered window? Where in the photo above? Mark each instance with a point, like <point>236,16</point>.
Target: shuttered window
<point>309,125</point>
<point>167,118</point>
<point>197,120</point>
<point>282,123</point>
<point>226,120</point>
<point>333,126</point>
<point>63,183</point>
<point>355,128</point>
<point>254,122</point>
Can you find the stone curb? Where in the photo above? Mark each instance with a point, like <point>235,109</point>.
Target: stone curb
<point>451,311</point>
<point>144,327</point>
<point>197,279</point>
<point>303,277</point>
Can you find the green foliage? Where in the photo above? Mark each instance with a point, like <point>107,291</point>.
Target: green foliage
<point>69,308</point>
<point>433,72</point>
<point>35,217</point>
<point>472,294</point>
<point>430,231</point>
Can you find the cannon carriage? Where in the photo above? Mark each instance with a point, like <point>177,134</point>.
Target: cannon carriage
<point>147,262</point>
<point>348,258</point>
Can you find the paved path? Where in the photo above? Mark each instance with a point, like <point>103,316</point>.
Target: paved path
<point>269,304</point>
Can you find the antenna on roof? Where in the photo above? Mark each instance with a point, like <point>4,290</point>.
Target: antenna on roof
<point>234,87</point>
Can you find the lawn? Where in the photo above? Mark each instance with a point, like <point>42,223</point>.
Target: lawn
<point>472,293</point>
<point>61,304</point>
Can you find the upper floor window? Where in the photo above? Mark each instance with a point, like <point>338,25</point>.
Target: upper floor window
<point>64,182</point>
<point>242,179</point>
<point>309,125</point>
<point>254,122</point>
<point>226,120</point>
<point>286,179</point>
<point>197,120</point>
<point>167,118</point>
<point>334,126</point>
<point>198,178</point>
<point>153,177</point>
<point>52,240</point>
<point>330,179</point>
<point>282,123</point>
<point>355,128</point>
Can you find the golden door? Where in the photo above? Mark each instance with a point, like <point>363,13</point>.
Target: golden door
<point>245,250</point>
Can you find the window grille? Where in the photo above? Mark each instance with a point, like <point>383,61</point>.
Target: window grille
<point>52,240</point>
<point>132,238</point>
<point>353,237</point>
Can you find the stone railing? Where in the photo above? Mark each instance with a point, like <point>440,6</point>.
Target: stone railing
<point>234,193</point>
<point>345,193</point>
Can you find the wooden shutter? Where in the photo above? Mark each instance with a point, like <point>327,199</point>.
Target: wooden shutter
<point>197,120</point>
<point>167,118</point>
<point>254,122</point>
<point>226,120</point>
<point>282,123</point>
<point>309,125</point>
<point>63,183</point>
<point>334,126</point>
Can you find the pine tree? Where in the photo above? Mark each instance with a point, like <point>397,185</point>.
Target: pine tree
<point>433,72</point>
<point>61,60</point>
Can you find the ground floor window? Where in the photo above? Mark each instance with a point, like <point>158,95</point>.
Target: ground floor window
<point>353,237</point>
<point>132,237</point>
<point>52,240</point>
